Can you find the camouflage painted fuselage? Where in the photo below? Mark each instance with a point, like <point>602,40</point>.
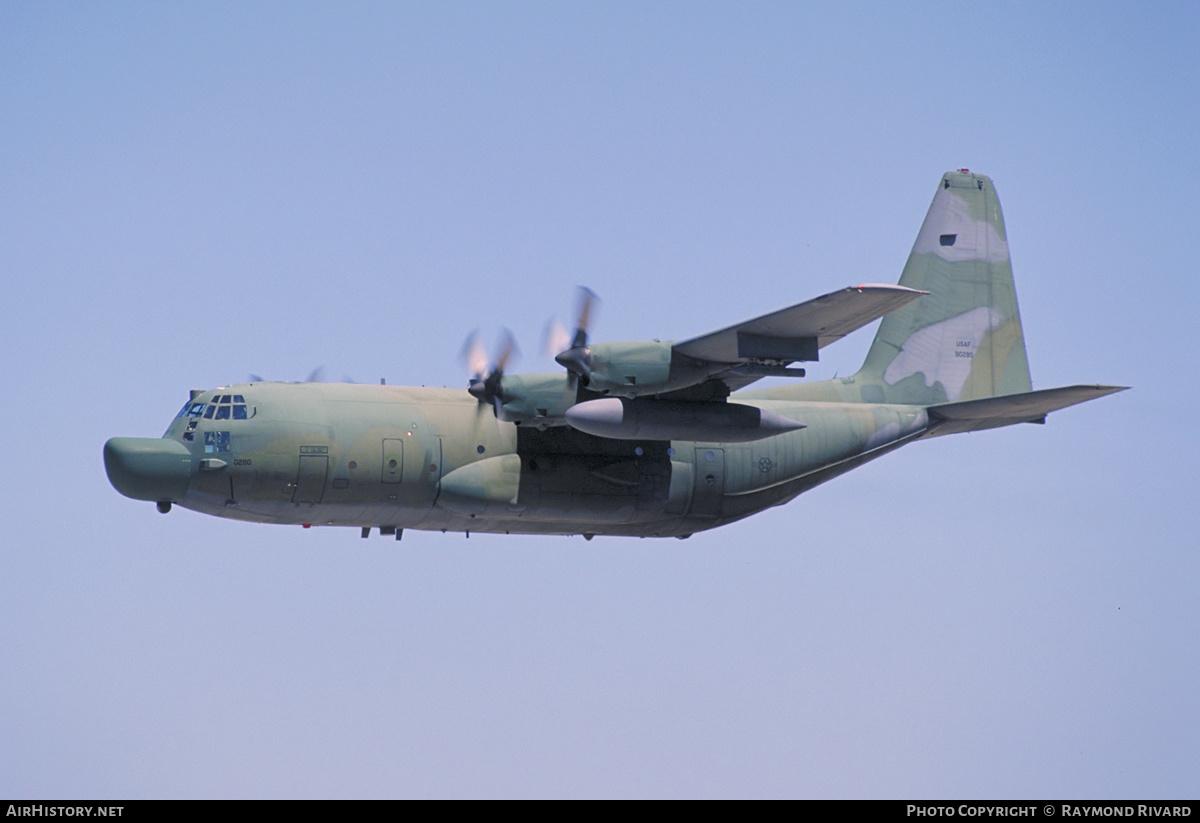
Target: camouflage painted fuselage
<point>419,458</point>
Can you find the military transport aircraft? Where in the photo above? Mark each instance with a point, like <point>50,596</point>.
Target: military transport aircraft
<point>650,438</point>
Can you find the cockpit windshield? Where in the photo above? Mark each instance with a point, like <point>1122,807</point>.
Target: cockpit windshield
<point>218,407</point>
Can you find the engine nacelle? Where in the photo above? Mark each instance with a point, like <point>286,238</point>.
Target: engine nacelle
<point>640,367</point>
<point>535,399</point>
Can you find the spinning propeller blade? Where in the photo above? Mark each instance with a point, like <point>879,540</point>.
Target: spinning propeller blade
<point>487,388</point>
<point>578,358</point>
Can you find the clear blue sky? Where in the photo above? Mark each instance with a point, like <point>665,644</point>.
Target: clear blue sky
<point>194,192</point>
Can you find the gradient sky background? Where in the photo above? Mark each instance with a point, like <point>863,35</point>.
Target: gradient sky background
<point>192,192</point>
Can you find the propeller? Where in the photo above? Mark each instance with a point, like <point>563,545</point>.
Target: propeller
<point>555,338</point>
<point>486,387</point>
<point>572,353</point>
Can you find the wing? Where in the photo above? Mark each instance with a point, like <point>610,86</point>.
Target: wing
<point>761,346</point>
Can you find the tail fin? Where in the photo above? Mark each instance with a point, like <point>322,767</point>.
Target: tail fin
<point>962,341</point>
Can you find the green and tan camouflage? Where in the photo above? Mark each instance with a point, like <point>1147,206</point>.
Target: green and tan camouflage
<point>645,438</point>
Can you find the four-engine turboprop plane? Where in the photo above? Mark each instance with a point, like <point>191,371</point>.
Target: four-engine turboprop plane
<point>650,438</point>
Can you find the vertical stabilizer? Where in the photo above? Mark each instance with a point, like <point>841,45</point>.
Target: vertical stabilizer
<point>963,341</point>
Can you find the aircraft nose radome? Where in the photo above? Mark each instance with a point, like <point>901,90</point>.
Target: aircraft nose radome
<point>148,468</point>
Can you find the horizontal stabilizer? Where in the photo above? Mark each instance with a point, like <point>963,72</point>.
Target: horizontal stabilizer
<point>796,333</point>
<point>1028,407</point>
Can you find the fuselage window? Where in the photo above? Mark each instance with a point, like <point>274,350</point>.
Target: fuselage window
<point>216,442</point>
